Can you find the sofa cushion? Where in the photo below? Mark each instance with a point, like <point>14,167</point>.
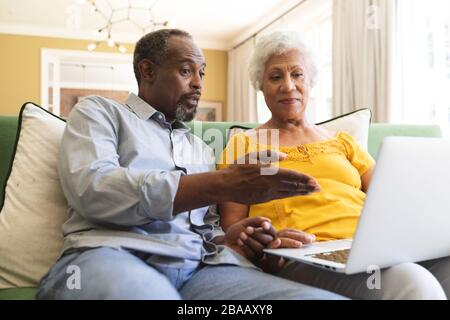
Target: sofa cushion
<point>355,123</point>
<point>34,206</point>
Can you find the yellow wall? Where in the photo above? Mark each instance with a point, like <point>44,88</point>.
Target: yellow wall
<point>215,86</point>
<point>20,69</point>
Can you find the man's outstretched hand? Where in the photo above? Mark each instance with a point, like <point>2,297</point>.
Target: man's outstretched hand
<point>253,179</point>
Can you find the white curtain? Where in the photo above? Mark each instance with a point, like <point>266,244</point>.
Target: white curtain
<point>422,65</point>
<point>241,95</point>
<point>363,33</point>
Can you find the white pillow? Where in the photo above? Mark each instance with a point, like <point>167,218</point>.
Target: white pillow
<point>355,123</point>
<point>35,207</point>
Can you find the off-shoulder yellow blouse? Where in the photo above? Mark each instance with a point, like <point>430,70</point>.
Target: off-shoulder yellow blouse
<point>337,164</point>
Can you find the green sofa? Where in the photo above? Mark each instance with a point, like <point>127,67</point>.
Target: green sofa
<point>8,132</point>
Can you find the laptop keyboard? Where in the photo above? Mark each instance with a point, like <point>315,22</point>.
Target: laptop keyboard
<point>339,256</point>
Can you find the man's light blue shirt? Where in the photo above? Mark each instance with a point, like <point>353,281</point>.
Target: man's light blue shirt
<point>120,166</point>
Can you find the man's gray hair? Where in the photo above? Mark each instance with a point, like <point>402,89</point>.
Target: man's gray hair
<point>278,42</point>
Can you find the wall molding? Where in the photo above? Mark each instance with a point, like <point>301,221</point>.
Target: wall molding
<point>55,32</point>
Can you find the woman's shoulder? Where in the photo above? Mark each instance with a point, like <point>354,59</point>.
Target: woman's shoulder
<point>240,136</point>
<point>251,135</point>
<point>345,136</point>
<point>350,143</point>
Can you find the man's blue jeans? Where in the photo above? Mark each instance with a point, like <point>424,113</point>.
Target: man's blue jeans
<point>108,273</point>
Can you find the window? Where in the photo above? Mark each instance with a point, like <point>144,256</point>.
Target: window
<point>313,21</point>
<point>67,75</point>
<point>421,89</point>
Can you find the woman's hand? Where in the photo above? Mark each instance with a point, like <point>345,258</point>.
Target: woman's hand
<point>253,240</point>
<point>291,238</point>
<point>286,238</point>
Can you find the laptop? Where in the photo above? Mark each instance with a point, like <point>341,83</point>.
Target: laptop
<point>406,214</point>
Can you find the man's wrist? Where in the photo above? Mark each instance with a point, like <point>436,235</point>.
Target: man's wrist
<point>218,240</point>
<point>219,190</point>
<point>221,240</point>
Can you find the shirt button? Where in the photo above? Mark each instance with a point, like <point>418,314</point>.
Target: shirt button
<point>159,116</point>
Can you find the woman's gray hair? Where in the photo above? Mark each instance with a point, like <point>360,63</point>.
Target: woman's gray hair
<point>278,42</point>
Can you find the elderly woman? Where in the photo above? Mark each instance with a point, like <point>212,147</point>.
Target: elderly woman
<point>282,68</point>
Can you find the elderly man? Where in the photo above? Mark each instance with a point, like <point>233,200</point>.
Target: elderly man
<point>141,223</point>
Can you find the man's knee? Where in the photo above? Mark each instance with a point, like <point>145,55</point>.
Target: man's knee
<point>105,273</point>
<point>232,282</point>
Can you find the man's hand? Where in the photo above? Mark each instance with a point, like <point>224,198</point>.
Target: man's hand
<point>247,184</point>
<point>254,181</point>
<point>250,236</point>
<point>286,238</point>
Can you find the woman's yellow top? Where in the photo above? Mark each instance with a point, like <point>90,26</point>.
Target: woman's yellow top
<point>337,164</point>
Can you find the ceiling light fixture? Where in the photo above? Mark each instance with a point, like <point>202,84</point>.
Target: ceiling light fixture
<point>126,15</point>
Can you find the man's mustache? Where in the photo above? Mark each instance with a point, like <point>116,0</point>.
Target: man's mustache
<point>193,95</point>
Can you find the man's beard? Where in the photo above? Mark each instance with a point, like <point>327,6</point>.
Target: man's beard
<point>182,114</point>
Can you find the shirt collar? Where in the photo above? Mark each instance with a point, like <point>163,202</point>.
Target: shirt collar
<point>145,111</point>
